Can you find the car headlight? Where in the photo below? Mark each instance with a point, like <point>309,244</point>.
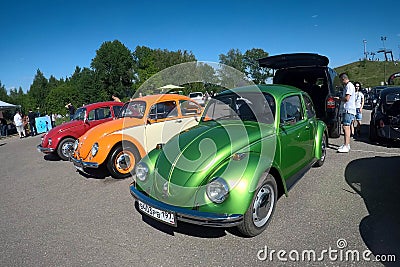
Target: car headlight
<point>95,148</point>
<point>76,143</point>
<point>50,141</point>
<point>142,170</point>
<point>217,190</point>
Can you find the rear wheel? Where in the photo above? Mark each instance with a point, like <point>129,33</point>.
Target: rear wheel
<point>122,161</point>
<point>324,146</point>
<point>261,209</point>
<point>65,148</point>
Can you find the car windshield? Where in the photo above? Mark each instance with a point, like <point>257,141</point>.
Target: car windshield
<point>391,98</point>
<point>133,109</point>
<point>246,107</point>
<point>79,114</point>
<point>195,95</point>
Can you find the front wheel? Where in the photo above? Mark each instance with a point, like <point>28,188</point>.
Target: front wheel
<point>65,148</point>
<point>261,209</point>
<point>122,161</point>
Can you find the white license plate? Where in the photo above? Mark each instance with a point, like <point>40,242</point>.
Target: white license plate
<point>161,215</point>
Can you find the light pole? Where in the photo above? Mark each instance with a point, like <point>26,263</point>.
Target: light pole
<point>383,39</point>
<point>365,49</point>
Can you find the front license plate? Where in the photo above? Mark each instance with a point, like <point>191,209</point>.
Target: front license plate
<point>161,215</point>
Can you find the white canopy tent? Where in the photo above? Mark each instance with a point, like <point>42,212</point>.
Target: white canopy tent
<point>5,106</point>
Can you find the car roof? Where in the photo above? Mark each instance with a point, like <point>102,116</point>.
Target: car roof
<point>277,90</point>
<point>150,99</point>
<point>294,60</point>
<point>105,103</point>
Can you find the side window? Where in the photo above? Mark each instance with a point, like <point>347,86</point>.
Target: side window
<point>309,107</point>
<point>116,110</point>
<point>91,115</point>
<point>102,113</point>
<point>291,110</point>
<point>163,110</point>
<point>189,108</point>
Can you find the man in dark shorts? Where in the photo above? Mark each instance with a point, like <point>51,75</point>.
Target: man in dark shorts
<point>32,123</point>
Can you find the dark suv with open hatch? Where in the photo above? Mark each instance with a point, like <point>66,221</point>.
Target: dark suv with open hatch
<point>310,73</point>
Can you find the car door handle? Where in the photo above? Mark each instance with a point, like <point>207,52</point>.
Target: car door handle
<point>307,127</point>
<point>178,121</point>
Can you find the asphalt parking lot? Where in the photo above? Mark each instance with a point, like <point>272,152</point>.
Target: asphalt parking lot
<point>51,215</point>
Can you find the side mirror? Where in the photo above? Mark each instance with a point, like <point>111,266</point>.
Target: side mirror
<point>86,121</point>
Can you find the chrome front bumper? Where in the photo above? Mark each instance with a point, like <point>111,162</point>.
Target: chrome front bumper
<point>79,164</point>
<point>190,216</point>
<point>45,149</point>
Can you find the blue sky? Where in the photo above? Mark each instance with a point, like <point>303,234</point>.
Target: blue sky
<point>56,36</point>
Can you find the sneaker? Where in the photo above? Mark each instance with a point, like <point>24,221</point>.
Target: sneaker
<point>344,149</point>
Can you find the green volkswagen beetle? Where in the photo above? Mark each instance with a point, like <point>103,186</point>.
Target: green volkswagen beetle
<point>252,144</point>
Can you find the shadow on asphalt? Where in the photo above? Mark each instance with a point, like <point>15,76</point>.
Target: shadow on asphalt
<point>51,157</point>
<point>377,181</point>
<point>99,173</point>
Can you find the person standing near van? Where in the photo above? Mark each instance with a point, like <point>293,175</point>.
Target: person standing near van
<point>359,108</point>
<point>349,110</point>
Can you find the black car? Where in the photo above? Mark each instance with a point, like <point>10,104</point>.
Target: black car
<point>385,117</point>
<point>373,95</point>
<point>310,73</point>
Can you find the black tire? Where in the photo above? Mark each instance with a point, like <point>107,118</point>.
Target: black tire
<point>65,148</point>
<point>261,209</point>
<point>373,136</point>
<point>122,161</point>
<point>324,147</point>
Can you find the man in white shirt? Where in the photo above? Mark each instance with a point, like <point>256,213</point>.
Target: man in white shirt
<point>349,110</point>
<point>19,124</point>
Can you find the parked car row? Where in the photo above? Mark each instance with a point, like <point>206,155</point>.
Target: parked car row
<point>224,166</point>
<point>225,169</point>
<point>385,117</point>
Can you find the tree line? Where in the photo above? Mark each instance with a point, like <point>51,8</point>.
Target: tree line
<point>115,70</point>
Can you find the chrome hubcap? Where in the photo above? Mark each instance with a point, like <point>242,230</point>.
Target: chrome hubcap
<point>67,149</point>
<point>263,205</point>
<point>323,148</point>
<point>123,161</point>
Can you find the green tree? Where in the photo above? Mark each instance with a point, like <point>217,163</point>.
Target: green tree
<point>234,58</point>
<point>253,70</point>
<point>39,91</point>
<point>3,93</point>
<point>113,66</point>
<point>148,62</point>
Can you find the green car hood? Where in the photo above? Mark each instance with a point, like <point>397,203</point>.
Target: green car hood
<point>188,159</point>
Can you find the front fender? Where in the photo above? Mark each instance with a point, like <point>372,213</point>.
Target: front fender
<point>243,177</point>
<point>106,144</point>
